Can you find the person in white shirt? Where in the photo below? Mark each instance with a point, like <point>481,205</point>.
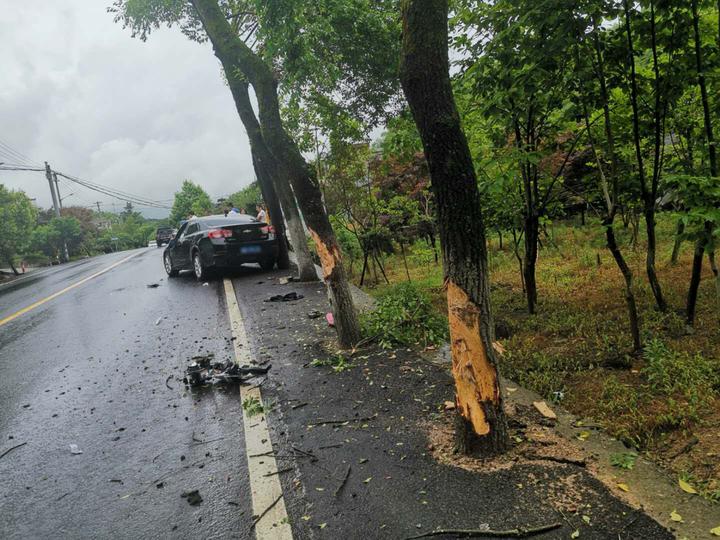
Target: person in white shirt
<point>261,214</point>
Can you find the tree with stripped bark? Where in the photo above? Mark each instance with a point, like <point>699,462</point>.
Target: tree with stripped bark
<point>425,79</point>
<point>225,25</point>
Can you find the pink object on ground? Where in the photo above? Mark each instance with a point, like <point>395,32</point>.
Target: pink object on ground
<point>330,319</point>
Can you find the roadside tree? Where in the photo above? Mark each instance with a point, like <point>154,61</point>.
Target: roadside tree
<point>18,217</point>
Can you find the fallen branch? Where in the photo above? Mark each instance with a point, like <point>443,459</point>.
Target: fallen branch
<point>198,442</point>
<point>257,519</point>
<point>339,445</point>
<point>6,452</point>
<point>167,381</point>
<point>298,406</point>
<point>489,533</point>
<point>328,422</point>
<point>279,471</point>
<point>344,481</point>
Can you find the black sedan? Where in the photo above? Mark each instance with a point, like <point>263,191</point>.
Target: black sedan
<point>220,242</point>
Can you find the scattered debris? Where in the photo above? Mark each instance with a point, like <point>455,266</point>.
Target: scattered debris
<point>279,471</point>
<point>543,409</point>
<point>206,284</point>
<point>298,406</point>
<point>167,381</point>
<point>6,452</point>
<point>193,497</point>
<point>153,285</point>
<point>327,422</point>
<point>257,519</point>
<point>330,319</point>
<point>344,481</point>
<point>203,370</point>
<point>158,321</point>
<point>289,297</point>
<point>314,314</point>
<point>449,405</point>
<point>283,280</point>
<point>687,488</point>
<point>74,449</point>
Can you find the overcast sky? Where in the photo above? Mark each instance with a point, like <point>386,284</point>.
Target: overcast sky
<point>77,91</point>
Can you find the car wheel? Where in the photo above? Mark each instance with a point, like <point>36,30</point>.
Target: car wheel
<point>267,264</point>
<point>199,270</point>
<point>169,267</point>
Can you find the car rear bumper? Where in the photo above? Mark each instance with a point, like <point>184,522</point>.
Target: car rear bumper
<point>232,255</point>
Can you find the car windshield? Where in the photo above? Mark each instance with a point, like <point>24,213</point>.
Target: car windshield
<point>229,222</point>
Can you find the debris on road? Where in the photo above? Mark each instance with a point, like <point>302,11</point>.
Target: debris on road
<point>6,452</point>
<point>330,319</point>
<point>158,321</point>
<point>74,449</point>
<point>314,314</point>
<point>152,285</point>
<point>193,497</point>
<point>203,371</point>
<point>289,297</point>
<point>206,284</point>
<point>543,409</point>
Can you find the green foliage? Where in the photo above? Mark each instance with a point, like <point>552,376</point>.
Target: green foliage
<point>191,199</point>
<point>337,362</point>
<point>545,374</point>
<point>405,316</point>
<point>245,199</point>
<point>50,238</point>
<point>624,460</point>
<point>17,219</point>
<point>253,406</point>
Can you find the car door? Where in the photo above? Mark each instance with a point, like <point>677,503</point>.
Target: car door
<point>174,246</point>
<point>186,243</point>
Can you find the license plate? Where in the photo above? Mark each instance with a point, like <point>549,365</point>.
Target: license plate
<point>250,250</point>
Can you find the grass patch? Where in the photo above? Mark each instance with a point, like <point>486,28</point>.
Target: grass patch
<point>338,363</point>
<point>405,315</point>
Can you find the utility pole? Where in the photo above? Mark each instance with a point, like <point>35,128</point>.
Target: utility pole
<point>49,175</point>
<point>57,189</point>
<point>98,205</point>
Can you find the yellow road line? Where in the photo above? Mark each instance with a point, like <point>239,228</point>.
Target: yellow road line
<point>265,488</point>
<point>39,303</point>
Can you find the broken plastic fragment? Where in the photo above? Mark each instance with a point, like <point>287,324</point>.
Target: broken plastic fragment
<point>74,449</point>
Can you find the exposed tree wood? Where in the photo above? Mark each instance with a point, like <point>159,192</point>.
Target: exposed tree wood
<point>302,177</point>
<point>424,74</point>
<point>271,177</point>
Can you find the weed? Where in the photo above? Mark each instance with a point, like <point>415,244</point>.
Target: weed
<point>338,363</point>
<point>623,460</point>
<point>253,406</point>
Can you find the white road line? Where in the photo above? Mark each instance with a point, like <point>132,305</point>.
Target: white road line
<point>63,291</point>
<point>265,490</point>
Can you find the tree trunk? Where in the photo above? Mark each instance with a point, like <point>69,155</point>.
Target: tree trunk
<point>12,267</point>
<point>678,241</point>
<point>301,176</point>
<point>271,200</point>
<point>647,195</point>
<point>530,260</point>
<point>424,75</point>
<point>271,177</point>
<point>628,277</point>
<point>712,154</point>
<point>716,274</point>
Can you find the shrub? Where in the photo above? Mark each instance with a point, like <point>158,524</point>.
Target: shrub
<point>405,316</point>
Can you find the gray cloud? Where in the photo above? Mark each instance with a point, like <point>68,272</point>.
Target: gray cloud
<point>78,91</point>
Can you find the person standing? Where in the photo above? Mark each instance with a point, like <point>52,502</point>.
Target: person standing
<point>261,214</point>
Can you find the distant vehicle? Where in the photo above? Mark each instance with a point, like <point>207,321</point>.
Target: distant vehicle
<point>152,243</point>
<point>164,235</point>
<point>220,242</point>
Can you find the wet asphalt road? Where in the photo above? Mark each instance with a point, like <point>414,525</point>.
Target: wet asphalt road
<point>90,368</point>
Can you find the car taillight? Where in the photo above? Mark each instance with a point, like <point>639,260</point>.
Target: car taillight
<point>219,233</point>
<point>268,231</point>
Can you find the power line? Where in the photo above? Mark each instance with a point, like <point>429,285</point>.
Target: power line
<point>8,150</point>
<point>112,192</point>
